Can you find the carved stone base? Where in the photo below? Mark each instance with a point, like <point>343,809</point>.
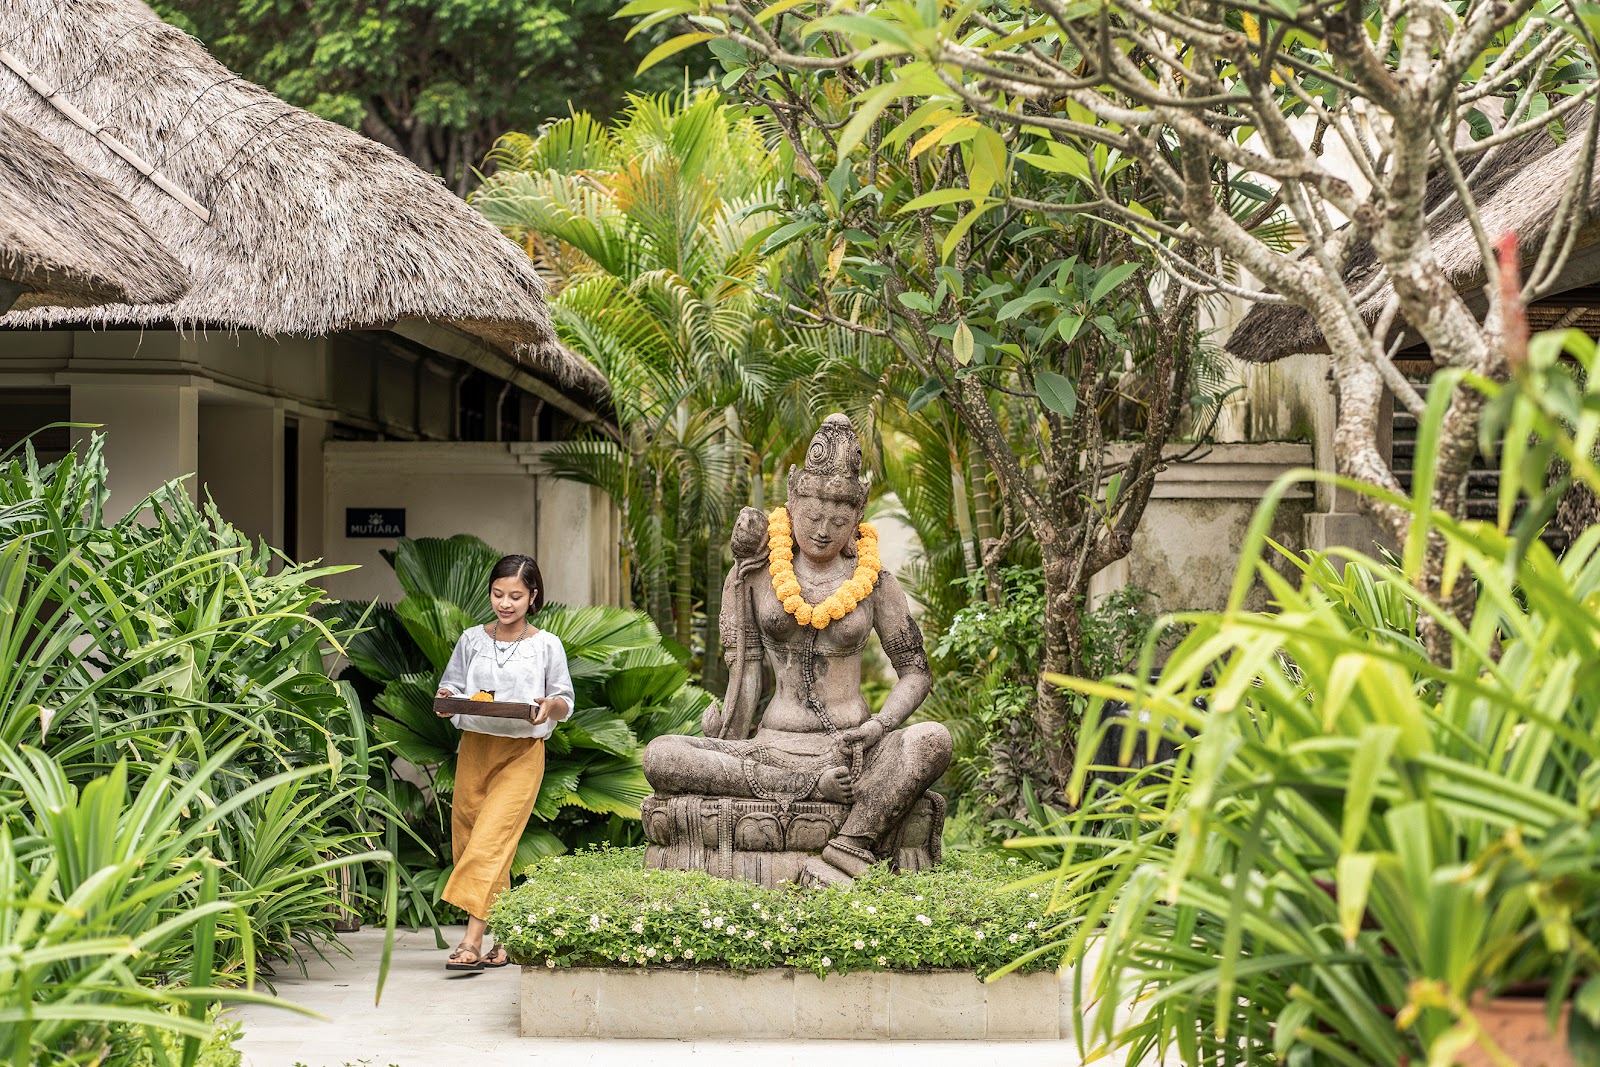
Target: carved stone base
<point>758,841</point>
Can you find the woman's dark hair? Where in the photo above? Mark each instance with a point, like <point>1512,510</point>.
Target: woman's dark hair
<point>526,571</point>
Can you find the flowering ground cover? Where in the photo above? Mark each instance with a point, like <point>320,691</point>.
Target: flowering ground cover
<point>603,908</point>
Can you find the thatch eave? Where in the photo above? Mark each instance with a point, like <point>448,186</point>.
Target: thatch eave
<point>1520,193</point>
<point>312,229</point>
<point>68,237</point>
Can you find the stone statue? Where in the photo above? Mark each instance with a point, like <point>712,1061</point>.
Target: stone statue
<point>823,789</point>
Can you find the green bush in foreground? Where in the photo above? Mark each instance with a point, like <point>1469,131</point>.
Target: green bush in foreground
<point>602,908</point>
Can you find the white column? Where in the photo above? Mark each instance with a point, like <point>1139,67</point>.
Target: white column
<point>152,434</point>
<point>241,465</point>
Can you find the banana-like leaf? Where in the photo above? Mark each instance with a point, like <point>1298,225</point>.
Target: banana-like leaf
<point>561,776</point>
<point>536,844</point>
<point>614,785</point>
<point>452,569</point>
<point>599,728</point>
<point>383,651</point>
<point>595,633</point>
<point>643,676</point>
<point>435,625</point>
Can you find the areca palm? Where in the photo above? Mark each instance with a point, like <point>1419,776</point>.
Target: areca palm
<point>650,232</point>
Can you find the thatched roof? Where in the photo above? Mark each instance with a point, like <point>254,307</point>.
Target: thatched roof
<point>313,228</point>
<point>69,237</point>
<point>1520,192</point>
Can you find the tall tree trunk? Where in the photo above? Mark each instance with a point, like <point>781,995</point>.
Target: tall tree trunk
<point>713,672</point>
<point>683,568</point>
<point>983,508</point>
<point>958,499</point>
<point>758,483</point>
<point>657,589</point>
<point>1054,711</point>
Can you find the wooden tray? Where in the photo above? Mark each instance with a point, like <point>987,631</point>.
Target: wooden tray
<point>494,709</point>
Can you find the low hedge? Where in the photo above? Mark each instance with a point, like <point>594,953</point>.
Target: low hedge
<point>603,908</point>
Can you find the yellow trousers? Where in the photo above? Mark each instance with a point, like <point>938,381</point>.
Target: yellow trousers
<point>497,781</point>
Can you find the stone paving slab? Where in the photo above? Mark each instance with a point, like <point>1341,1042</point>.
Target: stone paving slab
<point>427,1019</point>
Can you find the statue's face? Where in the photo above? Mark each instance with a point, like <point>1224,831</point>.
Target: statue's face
<point>822,527</point>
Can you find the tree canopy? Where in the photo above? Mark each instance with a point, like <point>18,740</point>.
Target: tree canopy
<point>1369,132</point>
<point>436,81</point>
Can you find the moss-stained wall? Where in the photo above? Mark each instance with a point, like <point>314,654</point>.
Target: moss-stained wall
<point>1278,402</point>
<point>1186,551</point>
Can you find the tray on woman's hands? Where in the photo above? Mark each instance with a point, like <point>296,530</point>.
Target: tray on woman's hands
<point>495,709</point>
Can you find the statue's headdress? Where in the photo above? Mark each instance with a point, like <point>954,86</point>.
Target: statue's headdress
<point>833,465</point>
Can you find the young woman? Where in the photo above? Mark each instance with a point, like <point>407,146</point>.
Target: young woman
<point>501,761</point>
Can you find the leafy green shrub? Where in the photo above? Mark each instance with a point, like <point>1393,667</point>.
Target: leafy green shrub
<point>1360,840</point>
<point>629,687</point>
<point>138,1047</point>
<point>180,780</point>
<point>603,908</point>
<point>985,688</point>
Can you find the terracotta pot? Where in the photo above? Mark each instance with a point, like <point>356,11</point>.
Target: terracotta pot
<point>1518,1026</point>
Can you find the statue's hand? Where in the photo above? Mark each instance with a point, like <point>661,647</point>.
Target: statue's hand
<point>712,720</point>
<point>866,735</point>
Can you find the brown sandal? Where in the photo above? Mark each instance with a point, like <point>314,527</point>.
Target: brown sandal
<point>498,953</point>
<point>452,963</point>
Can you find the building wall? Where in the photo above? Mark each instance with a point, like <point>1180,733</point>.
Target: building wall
<point>1186,550</point>
<point>494,491</point>
<point>260,425</point>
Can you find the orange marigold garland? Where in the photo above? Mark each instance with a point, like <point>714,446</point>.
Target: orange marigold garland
<point>780,538</point>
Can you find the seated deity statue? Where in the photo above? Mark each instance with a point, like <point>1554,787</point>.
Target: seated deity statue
<point>806,592</point>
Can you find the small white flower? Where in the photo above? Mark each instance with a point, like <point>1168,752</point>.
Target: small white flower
<point>871,910</point>
<point>717,922</point>
<point>883,961</point>
<point>916,898</point>
<point>733,928</point>
<point>749,934</point>
<point>549,911</point>
<point>1033,926</point>
<point>516,929</point>
<point>533,917</point>
<point>677,942</point>
<point>924,920</point>
<point>826,962</point>
<point>1033,896</point>
<point>667,957</point>
<point>1012,939</point>
<point>560,932</point>
<point>705,911</point>
<point>874,942</point>
<point>637,928</point>
<point>860,944</point>
<point>705,923</point>
<point>594,922</point>
<point>688,953</point>
<point>980,935</point>
<point>549,962</point>
<point>1012,862</point>
<point>767,945</point>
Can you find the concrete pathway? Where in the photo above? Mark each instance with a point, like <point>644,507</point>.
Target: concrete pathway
<point>427,1019</point>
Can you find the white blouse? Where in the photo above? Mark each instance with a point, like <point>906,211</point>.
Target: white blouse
<point>524,672</point>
